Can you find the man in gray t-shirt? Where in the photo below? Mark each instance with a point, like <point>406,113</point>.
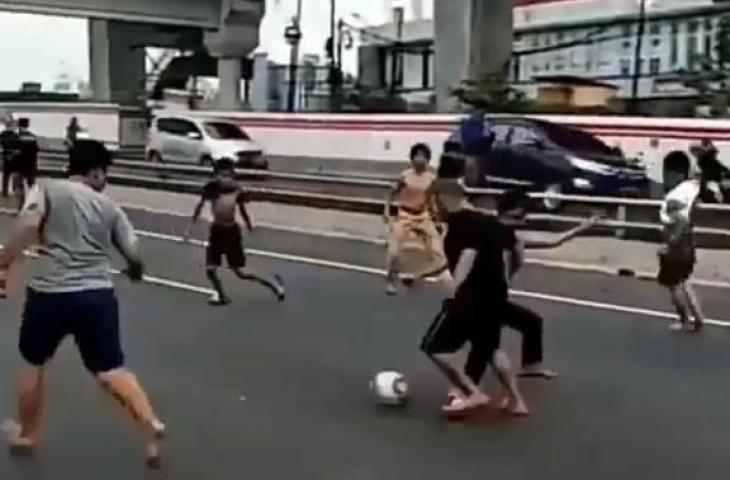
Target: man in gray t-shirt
<point>76,227</point>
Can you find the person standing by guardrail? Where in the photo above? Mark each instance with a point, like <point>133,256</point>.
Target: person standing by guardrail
<point>415,220</point>
<point>27,167</point>
<point>10,143</point>
<point>712,172</point>
<point>72,132</point>
<point>677,257</point>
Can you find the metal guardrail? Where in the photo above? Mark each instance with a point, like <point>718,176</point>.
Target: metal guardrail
<point>621,208</point>
<point>201,171</point>
<point>591,200</point>
<point>194,170</point>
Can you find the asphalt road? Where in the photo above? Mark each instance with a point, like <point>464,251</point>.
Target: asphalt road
<point>279,391</point>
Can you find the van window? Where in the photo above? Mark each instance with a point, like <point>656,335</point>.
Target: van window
<point>176,126</point>
<point>224,131</point>
<point>501,133</point>
<point>166,125</point>
<point>513,134</point>
<point>523,136</point>
<point>574,139</point>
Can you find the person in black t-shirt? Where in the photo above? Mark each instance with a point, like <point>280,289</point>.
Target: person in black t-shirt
<point>226,239</point>
<point>512,212</point>
<point>476,278</point>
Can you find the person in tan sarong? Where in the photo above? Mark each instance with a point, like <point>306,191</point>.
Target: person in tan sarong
<point>414,242</point>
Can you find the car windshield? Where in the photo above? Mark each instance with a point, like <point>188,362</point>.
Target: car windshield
<point>225,131</point>
<point>574,139</point>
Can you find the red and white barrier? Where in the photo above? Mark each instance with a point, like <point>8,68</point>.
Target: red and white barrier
<point>379,137</point>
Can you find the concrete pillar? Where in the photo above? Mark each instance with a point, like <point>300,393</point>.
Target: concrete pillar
<point>473,37</point>
<point>259,101</point>
<point>229,74</point>
<point>117,64</point>
<point>235,39</point>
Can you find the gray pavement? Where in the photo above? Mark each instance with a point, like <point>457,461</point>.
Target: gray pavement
<point>279,391</point>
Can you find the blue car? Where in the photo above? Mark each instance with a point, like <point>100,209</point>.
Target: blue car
<point>542,156</point>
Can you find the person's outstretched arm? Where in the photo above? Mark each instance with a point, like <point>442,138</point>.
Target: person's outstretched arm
<point>397,187</point>
<point>533,244</point>
<point>24,232</point>
<point>127,243</point>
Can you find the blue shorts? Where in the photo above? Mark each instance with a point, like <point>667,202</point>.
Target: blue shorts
<point>91,317</point>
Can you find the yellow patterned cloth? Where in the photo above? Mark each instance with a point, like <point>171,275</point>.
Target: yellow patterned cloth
<point>415,243</point>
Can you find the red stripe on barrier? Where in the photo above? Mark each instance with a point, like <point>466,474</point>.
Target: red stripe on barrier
<point>397,126</point>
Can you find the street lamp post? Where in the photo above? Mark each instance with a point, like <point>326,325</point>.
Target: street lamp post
<point>638,52</point>
<point>293,35</point>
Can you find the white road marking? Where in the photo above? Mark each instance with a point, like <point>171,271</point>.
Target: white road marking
<point>275,227</point>
<point>608,307</point>
<point>562,265</point>
<point>381,272</point>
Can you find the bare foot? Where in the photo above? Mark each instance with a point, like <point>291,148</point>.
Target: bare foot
<point>537,371</point>
<point>460,405</point>
<point>516,407</point>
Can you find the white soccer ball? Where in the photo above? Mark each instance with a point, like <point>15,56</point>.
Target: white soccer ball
<point>389,388</point>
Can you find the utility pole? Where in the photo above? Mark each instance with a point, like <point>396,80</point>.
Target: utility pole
<point>293,35</point>
<point>332,52</point>
<point>638,52</point>
<point>395,64</point>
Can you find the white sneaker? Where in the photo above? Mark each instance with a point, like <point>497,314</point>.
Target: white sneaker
<point>216,300</point>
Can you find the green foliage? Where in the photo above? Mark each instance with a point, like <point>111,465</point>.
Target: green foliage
<point>491,92</point>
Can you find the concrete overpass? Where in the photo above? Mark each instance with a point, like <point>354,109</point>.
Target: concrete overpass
<point>472,37</point>
<point>194,13</point>
<point>119,31</point>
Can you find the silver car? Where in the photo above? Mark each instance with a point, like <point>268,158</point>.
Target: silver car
<point>202,141</point>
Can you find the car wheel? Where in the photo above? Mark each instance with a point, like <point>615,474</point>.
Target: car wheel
<point>206,161</point>
<point>552,204</point>
<point>155,157</point>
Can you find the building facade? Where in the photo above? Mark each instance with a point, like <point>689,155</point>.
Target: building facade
<point>593,39</point>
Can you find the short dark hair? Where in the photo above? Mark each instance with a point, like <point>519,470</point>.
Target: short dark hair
<point>24,122</point>
<point>224,165</point>
<point>451,165</point>
<point>512,199</point>
<point>421,148</point>
<point>88,155</point>
<point>453,146</point>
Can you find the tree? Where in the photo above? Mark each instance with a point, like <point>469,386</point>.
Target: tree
<point>491,92</point>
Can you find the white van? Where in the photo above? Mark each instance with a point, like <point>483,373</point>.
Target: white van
<point>178,139</point>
